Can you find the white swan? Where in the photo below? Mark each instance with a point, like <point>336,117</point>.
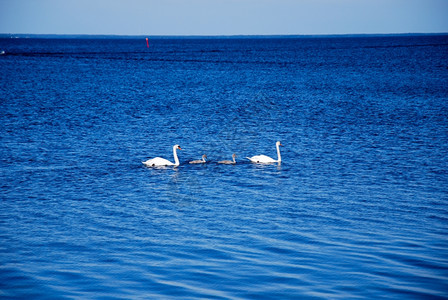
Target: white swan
<point>228,162</point>
<point>266,159</point>
<point>199,161</point>
<point>158,161</point>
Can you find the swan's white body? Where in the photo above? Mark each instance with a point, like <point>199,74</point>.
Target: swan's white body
<point>263,159</point>
<point>158,161</point>
<point>199,161</point>
<point>228,162</point>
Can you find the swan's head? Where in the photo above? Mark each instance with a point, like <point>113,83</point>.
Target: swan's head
<point>233,155</point>
<point>279,143</point>
<point>177,147</point>
<point>204,156</point>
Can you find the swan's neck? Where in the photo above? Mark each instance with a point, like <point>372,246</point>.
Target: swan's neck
<point>278,154</point>
<point>234,161</point>
<point>176,160</point>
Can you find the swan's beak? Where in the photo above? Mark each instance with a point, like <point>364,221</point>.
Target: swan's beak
<point>179,148</point>
<point>280,144</point>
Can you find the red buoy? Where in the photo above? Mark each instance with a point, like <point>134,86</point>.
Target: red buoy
<point>147,43</point>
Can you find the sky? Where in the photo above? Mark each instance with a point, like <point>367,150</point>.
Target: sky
<point>223,17</point>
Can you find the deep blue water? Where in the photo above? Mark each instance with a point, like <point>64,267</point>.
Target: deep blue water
<point>357,209</point>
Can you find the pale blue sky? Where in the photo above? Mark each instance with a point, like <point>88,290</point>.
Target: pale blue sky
<point>222,17</point>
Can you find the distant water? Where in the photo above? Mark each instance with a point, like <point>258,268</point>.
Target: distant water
<point>357,209</point>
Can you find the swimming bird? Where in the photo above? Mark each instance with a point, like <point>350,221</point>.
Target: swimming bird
<point>263,159</point>
<point>228,162</point>
<point>199,161</point>
<point>158,161</point>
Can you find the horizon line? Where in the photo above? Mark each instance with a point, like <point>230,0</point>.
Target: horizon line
<point>24,35</point>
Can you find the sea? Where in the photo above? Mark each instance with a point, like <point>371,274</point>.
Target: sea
<point>357,208</point>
